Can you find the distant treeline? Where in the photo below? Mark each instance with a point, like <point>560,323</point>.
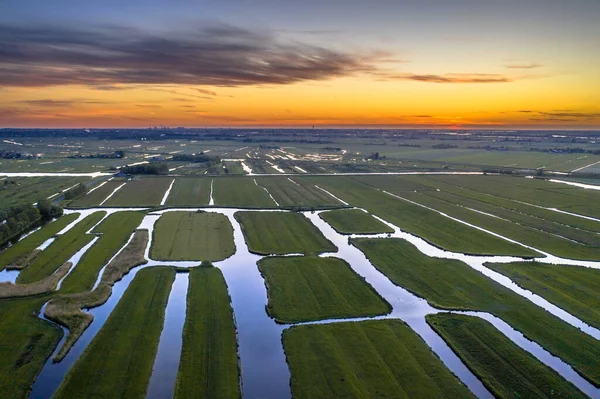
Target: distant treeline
<point>566,150</point>
<point>443,146</point>
<point>155,168</point>
<point>16,220</point>
<point>196,158</point>
<point>16,155</point>
<point>75,192</point>
<point>112,155</point>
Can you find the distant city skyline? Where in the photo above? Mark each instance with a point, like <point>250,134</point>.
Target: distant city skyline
<point>530,64</point>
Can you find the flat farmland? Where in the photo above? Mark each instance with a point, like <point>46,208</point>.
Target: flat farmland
<point>290,192</point>
<point>504,368</point>
<point>282,233</point>
<point>96,197</point>
<point>143,192</point>
<point>189,192</point>
<point>572,288</point>
<point>354,221</point>
<point>209,360</point>
<point>192,236</point>
<point>240,192</point>
<point>451,284</point>
<point>368,359</point>
<point>128,341</point>
<point>313,288</point>
<point>27,190</point>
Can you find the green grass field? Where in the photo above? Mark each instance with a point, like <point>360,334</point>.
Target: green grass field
<point>209,363</point>
<point>354,221</point>
<point>189,192</point>
<point>572,288</point>
<point>414,219</point>
<point>60,251</point>
<point>14,255</point>
<point>282,233</point>
<point>118,362</point>
<point>290,194</point>
<point>451,284</point>
<point>26,341</point>
<point>240,192</point>
<point>116,230</point>
<point>27,190</point>
<point>192,236</point>
<point>505,369</point>
<point>96,197</point>
<point>312,288</point>
<point>369,359</point>
<point>147,191</point>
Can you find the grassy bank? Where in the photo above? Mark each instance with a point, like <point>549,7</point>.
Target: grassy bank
<point>118,362</point>
<point>572,288</point>
<point>192,236</point>
<point>116,229</point>
<point>189,192</point>
<point>60,251</point>
<point>505,369</point>
<point>209,364</point>
<point>313,288</point>
<point>354,221</point>
<point>451,284</point>
<point>372,359</point>
<point>282,233</point>
<point>22,253</point>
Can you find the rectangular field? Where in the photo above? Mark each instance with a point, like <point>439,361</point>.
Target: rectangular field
<point>27,190</point>
<point>209,362</point>
<point>354,221</point>
<point>369,359</point>
<point>312,288</point>
<point>96,197</point>
<point>118,362</point>
<point>290,192</point>
<point>144,192</point>
<point>282,233</point>
<point>192,236</point>
<point>189,192</point>
<point>240,192</point>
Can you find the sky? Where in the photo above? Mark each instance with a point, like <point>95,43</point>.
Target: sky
<point>527,64</point>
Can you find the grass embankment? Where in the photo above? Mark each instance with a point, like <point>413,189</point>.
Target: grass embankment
<point>312,288</point>
<point>21,254</point>
<point>505,369</point>
<point>147,191</point>
<point>60,251</point>
<point>26,342</point>
<point>451,284</point>
<point>10,290</point>
<point>240,192</point>
<point>354,221</point>
<point>429,225</point>
<point>192,236</point>
<point>282,233</point>
<point>115,230</point>
<point>209,363</point>
<point>369,359</point>
<point>573,288</point>
<point>189,192</point>
<point>96,197</point>
<point>67,309</point>
<point>290,194</point>
<point>118,362</point>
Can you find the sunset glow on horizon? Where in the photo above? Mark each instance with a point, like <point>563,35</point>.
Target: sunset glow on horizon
<point>462,64</point>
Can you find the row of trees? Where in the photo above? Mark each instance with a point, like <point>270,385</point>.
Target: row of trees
<point>16,220</point>
<point>155,168</point>
<point>75,192</point>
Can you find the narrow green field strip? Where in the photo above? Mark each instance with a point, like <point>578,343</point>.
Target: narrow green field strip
<point>429,225</point>
<point>189,192</point>
<point>116,229</point>
<point>313,288</point>
<point>96,197</point>
<point>61,250</point>
<point>209,362</point>
<point>240,192</point>
<point>28,190</point>
<point>289,194</point>
<point>572,288</point>
<point>147,191</point>
<point>26,341</point>
<point>282,233</point>
<point>369,359</point>
<point>192,236</point>
<point>118,362</point>
<point>18,255</point>
<point>505,369</point>
<point>544,241</point>
<point>354,221</point>
<point>451,284</point>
